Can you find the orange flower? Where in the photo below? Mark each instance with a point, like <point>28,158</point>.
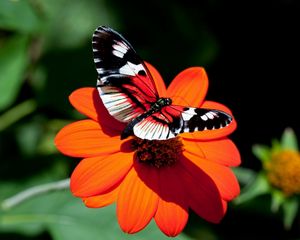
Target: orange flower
<point>152,179</point>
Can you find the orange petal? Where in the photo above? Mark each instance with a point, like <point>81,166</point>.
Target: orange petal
<point>103,199</point>
<point>172,212</point>
<point>222,151</point>
<point>221,175</point>
<point>159,82</point>
<point>88,102</point>
<point>137,201</point>
<point>213,134</point>
<point>202,193</point>
<point>189,87</point>
<point>94,176</point>
<point>85,138</point>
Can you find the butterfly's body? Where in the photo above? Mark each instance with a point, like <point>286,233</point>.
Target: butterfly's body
<point>128,91</point>
<point>161,102</point>
<point>155,107</point>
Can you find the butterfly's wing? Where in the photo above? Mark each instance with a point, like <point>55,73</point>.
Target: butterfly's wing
<point>172,120</point>
<point>124,83</point>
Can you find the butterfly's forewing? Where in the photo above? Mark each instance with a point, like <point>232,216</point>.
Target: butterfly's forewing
<point>173,120</point>
<point>124,83</point>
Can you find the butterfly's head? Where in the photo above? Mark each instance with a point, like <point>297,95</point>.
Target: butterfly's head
<point>168,101</point>
<point>161,102</point>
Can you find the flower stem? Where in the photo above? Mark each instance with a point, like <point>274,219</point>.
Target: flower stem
<point>16,113</point>
<point>34,191</point>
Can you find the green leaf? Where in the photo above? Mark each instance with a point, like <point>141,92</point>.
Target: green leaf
<point>66,218</point>
<point>244,175</point>
<point>277,200</point>
<point>276,145</point>
<point>13,62</point>
<point>262,152</point>
<point>290,209</point>
<point>18,16</point>
<point>70,23</point>
<point>17,112</point>
<point>258,187</point>
<point>28,136</point>
<point>289,140</point>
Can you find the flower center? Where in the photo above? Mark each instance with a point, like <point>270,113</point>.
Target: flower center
<point>158,153</point>
<point>283,171</point>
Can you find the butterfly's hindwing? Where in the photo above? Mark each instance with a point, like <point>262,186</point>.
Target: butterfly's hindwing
<point>124,83</point>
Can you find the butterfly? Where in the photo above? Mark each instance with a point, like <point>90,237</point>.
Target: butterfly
<point>128,92</point>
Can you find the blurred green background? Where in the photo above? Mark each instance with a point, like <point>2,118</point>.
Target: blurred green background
<point>250,50</point>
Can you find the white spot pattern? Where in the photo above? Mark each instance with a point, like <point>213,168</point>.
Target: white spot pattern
<point>131,69</point>
<point>204,118</point>
<point>187,115</point>
<point>120,49</point>
<point>118,54</point>
<point>209,115</point>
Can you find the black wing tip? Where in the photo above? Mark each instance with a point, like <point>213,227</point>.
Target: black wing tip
<point>220,119</point>
<point>224,113</point>
<point>101,30</point>
<point>105,29</point>
<point>104,34</point>
<point>228,118</point>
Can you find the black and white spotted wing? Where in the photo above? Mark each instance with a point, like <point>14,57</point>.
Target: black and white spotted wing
<point>128,91</point>
<point>124,83</point>
<point>173,120</point>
